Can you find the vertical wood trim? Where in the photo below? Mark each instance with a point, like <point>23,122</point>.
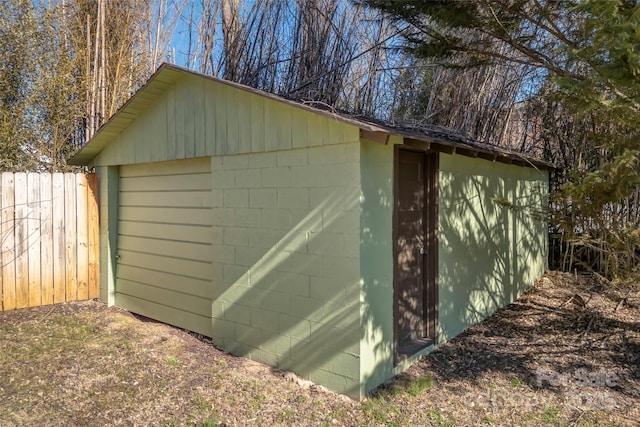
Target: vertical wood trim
<point>21,241</point>
<point>277,118</point>
<point>33,239</point>
<point>335,131</point>
<point>128,151</point>
<point>221,119</point>
<point>171,123</point>
<point>431,279</point>
<point>426,230</point>
<point>57,219</point>
<point>8,243</point>
<point>70,236</point>
<point>82,239</point>
<point>94,236</point>
<point>46,239</point>
<point>108,179</point>
<point>188,120</point>
<point>200,118</point>
<point>244,121</point>
<point>210,119</point>
<point>394,233</point>
<point>113,153</point>
<point>298,128</point>
<point>257,124</point>
<point>323,130</point>
<point>180,123</point>
<point>232,122</point>
<point>315,131</point>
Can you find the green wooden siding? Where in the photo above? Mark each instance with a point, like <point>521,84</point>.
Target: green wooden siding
<point>198,117</point>
<point>165,251</point>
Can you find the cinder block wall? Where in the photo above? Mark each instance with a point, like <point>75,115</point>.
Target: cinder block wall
<point>287,260</point>
<point>492,237</point>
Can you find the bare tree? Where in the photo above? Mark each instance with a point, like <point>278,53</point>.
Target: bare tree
<point>329,52</point>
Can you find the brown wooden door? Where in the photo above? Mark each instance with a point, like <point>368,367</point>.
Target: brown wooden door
<point>415,306</point>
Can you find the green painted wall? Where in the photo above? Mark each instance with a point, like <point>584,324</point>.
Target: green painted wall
<point>488,253</point>
<point>376,263</point>
<point>165,249</point>
<point>198,117</point>
<point>492,238</point>
<point>287,288</point>
<point>108,210</point>
<point>284,232</point>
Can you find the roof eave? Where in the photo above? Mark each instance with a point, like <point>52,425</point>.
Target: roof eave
<point>488,153</point>
<point>155,86</point>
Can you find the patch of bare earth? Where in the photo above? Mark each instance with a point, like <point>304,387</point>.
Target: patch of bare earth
<point>566,353</point>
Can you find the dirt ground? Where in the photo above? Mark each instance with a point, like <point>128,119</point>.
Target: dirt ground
<point>566,353</point>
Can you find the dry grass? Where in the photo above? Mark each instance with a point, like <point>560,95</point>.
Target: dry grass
<point>86,364</point>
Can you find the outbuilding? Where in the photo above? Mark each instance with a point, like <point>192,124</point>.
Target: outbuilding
<point>336,248</point>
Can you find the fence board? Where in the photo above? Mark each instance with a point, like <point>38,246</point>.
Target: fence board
<point>59,276</point>
<point>49,231</point>
<point>8,246</point>
<point>70,235</point>
<point>94,233</point>
<point>82,237</point>
<point>46,238</point>
<point>33,238</point>
<point>21,241</point>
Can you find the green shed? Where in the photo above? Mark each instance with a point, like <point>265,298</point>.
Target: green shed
<point>336,248</point>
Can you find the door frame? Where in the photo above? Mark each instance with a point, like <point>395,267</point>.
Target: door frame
<point>430,260</point>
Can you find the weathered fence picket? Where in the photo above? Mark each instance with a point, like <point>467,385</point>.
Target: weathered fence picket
<point>48,238</point>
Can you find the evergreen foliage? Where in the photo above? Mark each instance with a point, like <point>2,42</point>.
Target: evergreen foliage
<point>587,99</point>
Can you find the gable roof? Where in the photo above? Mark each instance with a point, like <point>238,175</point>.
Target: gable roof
<point>423,137</point>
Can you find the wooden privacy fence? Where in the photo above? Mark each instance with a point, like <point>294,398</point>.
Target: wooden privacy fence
<point>49,238</point>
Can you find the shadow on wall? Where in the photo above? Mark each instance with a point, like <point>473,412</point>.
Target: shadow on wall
<point>376,264</point>
<point>294,303</point>
<point>377,286</point>
<point>492,243</point>
<point>317,299</point>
